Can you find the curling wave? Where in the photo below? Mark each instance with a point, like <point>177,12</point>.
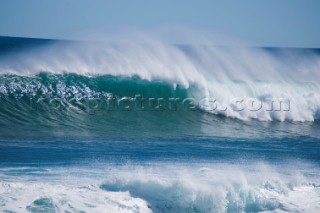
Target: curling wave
<point>219,78</point>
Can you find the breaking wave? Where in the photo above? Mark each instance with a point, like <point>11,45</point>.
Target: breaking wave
<point>217,79</point>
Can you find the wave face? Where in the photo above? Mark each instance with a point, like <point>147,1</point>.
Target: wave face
<point>70,104</point>
<point>59,85</point>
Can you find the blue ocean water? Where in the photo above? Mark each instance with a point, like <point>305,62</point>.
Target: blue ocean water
<point>152,127</point>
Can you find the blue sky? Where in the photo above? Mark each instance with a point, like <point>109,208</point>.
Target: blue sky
<point>263,22</point>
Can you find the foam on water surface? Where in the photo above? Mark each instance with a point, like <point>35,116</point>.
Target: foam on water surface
<point>164,188</point>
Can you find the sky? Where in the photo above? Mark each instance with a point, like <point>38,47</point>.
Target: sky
<point>289,23</point>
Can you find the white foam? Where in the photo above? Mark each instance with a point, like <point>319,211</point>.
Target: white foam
<point>220,188</point>
<point>209,187</point>
<point>59,197</point>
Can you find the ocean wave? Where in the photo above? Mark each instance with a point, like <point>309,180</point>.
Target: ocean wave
<point>218,79</point>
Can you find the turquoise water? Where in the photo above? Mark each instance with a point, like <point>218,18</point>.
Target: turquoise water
<point>113,128</point>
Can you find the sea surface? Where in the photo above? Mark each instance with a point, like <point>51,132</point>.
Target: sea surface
<point>155,127</point>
